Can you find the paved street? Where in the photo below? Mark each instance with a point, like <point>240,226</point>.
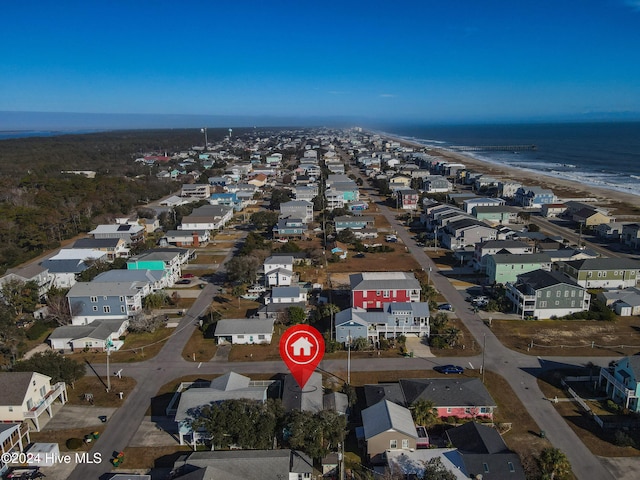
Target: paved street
<point>518,369</point>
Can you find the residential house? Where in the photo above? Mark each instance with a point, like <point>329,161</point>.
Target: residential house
<point>147,281</point>
<point>354,222</point>
<point>625,302</point>
<point>469,204</point>
<point>194,396</point>
<point>26,396</point>
<point>334,199</point>
<point>89,301</point>
<point>541,295</point>
<point>207,217</point>
<point>387,426</point>
<point>259,180</point>
<point>62,272</point>
<point>622,382</point>
<point>591,217</point>
<point>307,399</point>
<point>533,197</point>
<point>436,184</point>
<point>550,210</point>
<point>466,232</point>
<point>484,453</point>
<point>308,193</point>
<point>132,234</point>
<point>412,464</point>
<point>286,295</point>
<point>96,336</point>
<point>274,159</point>
<point>32,272</point>
<point>168,260</point>
<point>496,215</point>
<point>609,231</point>
<point>244,331</point>
<point>226,199</point>
<point>508,189</point>
<point>452,397</point>
<point>14,438</point>
<point>186,238</point>
<point>399,182</point>
<point>396,318</point>
<point>289,228</point>
<point>349,190</point>
<point>492,247</point>
<point>373,289</point>
<point>505,267</point>
<point>407,198</point>
<point>278,271</point>
<point>113,247</point>
<point>297,209</point>
<point>245,465</point>
<point>196,190</point>
<point>631,235</point>
<point>602,272</point>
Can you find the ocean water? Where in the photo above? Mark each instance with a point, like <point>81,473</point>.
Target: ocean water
<point>605,155</point>
<point>8,134</point>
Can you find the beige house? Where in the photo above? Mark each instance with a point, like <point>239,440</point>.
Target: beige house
<point>387,426</point>
<point>27,395</point>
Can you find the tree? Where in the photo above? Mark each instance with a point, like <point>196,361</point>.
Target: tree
<point>346,236</point>
<point>145,323</point>
<point>361,343</point>
<point>553,464</point>
<point>316,434</point>
<point>58,306</point>
<point>54,365</point>
<point>278,196</point>
<point>296,315</point>
<point>264,219</point>
<point>434,469</point>
<point>21,296</point>
<point>424,413</point>
<point>243,269</point>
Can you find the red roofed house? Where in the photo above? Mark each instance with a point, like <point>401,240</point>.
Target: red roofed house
<point>371,290</point>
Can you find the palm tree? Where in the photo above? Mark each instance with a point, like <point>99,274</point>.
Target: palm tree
<point>553,464</point>
<point>424,413</point>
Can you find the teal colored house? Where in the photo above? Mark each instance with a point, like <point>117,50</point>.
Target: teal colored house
<point>505,267</point>
<point>622,382</point>
<point>167,259</point>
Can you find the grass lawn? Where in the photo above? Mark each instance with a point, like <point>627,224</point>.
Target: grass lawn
<point>570,337</point>
<point>231,307</point>
<point>204,348</point>
<point>96,386</point>
<point>137,347</point>
<point>598,441</point>
<point>152,457</point>
<point>61,436</point>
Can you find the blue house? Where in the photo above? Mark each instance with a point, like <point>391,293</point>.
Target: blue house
<point>289,227</point>
<point>622,382</point>
<point>353,222</point>
<point>534,197</point>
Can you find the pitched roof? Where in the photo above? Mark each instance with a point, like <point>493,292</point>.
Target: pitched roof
<point>476,438</point>
<point>246,326</point>
<point>542,279</point>
<point>383,281</point>
<point>14,386</point>
<point>386,415</point>
<point>604,263</point>
<point>308,399</point>
<point>447,392</point>
<point>98,329</point>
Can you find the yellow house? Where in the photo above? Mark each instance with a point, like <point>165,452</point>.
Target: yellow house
<point>27,395</point>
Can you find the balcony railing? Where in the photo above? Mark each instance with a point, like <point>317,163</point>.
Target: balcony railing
<point>49,398</point>
<point>627,392</point>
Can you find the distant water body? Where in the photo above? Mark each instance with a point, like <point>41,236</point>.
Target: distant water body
<point>605,155</point>
<point>8,134</point>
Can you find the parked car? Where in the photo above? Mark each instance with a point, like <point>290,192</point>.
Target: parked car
<point>184,281</point>
<point>447,369</point>
<point>446,306</point>
<point>188,275</point>
<point>359,255</point>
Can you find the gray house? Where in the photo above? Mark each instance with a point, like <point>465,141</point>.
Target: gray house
<point>89,301</point>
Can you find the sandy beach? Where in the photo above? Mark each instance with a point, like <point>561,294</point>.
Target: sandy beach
<point>623,206</point>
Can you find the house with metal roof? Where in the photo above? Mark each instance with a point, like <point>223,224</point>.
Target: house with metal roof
<point>286,295</point>
<point>372,289</point>
<point>131,234</point>
<point>387,426</point>
<point>278,270</point>
<point>243,331</point>
<point>114,247</point>
<point>625,302</point>
<point>505,267</point>
<point>94,336</point>
<point>396,318</point>
<point>230,386</point>
<point>14,438</point>
<point>622,382</point>
<point>491,247</point>
<point>89,301</point>
<point>301,209</point>
<point>207,217</point>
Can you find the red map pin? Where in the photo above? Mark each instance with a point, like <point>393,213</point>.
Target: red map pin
<point>301,349</point>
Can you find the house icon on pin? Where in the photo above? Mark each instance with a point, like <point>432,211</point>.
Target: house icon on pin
<point>302,347</point>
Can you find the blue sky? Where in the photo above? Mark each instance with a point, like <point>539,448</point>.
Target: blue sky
<point>413,61</point>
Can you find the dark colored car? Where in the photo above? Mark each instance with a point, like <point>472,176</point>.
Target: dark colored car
<point>447,369</point>
<point>184,281</point>
<point>188,275</point>
<point>445,306</point>
<point>359,255</point>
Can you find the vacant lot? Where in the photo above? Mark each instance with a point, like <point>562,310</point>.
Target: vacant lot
<point>570,337</point>
<point>95,386</point>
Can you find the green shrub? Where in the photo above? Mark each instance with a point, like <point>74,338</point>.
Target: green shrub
<point>74,443</point>
<point>37,330</point>
<point>623,439</point>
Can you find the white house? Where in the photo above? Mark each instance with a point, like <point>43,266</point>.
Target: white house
<point>242,331</point>
<point>286,295</point>
<point>278,270</point>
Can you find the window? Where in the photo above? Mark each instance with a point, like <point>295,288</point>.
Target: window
<point>448,410</point>
<point>364,294</point>
<point>405,443</point>
<point>43,391</point>
<point>94,299</point>
<point>29,404</point>
<point>240,336</point>
<point>378,293</point>
<point>566,294</point>
<point>543,304</point>
<point>11,409</point>
<point>261,337</point>
<point>95,308</point>
<point>121,298</point>
<point>511,467</point>
<point>106,309</point>
<point>548,293</point>
<point>122,309</point>
<point>386,294</point>
<point>104,297</point>
<point>573,293</point>
<point>393,444</point>
<point>557,302</point>
<point>485,467</point>
<point>558,294</point>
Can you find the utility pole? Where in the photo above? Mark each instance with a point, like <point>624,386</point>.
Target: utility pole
<point>348,359</point>
<point>108,345</point>
<point>484,349</point>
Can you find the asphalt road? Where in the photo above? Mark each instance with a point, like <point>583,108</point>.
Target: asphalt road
<point>518,369</point>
